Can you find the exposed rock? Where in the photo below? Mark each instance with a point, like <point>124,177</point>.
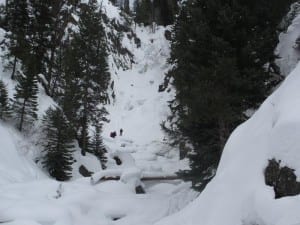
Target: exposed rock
<point>118,160</point>
<point>282,179</point>
<point>84,171</point>
<point>139,190</point>
<point>168,35</point>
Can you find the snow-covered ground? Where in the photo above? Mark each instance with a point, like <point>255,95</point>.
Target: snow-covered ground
<point>287,50</point>
<point>46,202</point>
<point>139,108</point>
<point>29,197</point>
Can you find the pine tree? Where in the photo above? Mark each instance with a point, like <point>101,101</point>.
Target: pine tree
<point>18,25</point>
<point>58,145</point>
<point>87,69</point>
<point>40,27</point>
<point>47,28</point>
<point>219,51</point>
<point>127,7</point>
<point>98,147</point>
<point>144,12</point>
<point>5,110</point>
<point>25,99</point>
<point>164,11</point>
<point>61,12</point>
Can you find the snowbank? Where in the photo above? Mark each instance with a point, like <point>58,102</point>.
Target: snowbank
<point>238,194</point>
<point>15,160</point>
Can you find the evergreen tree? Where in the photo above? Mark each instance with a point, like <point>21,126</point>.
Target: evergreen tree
<point>87,71</point>
<point>164,11</point>
<point>18,25</point>
<point>25,99</point>
<point>144,12</point>
<point>48,23</point>
<point>97,146</point>
<point>219,53</point>
<point>5,111</point>
<point>127,7</point>
<point>41,25</point>
<point>58,145</point>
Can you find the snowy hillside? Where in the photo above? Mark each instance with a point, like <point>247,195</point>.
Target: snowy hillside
<point>139,108</point>
<point>15,161</point>
<point>29,197</point>
<point>287,50</point>
<point>238,193</point>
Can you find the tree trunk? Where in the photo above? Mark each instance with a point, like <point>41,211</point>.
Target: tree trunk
<point>49,77</point>
<point>14,68</point>
<point>223,133</point>
<point>22,116</point>
<point>84,139</point>
<point>150,178</point>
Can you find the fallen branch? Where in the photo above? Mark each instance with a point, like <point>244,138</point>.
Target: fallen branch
<point>150,178</point>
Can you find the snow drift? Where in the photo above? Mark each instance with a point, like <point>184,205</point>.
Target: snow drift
<point>15,159</point>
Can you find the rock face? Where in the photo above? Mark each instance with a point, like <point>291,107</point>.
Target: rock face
<point>282,179</point>
<point>84,171</point>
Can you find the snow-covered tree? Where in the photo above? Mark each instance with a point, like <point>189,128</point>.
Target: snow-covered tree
<point>58,144</point>
<point>87,70</point>
<point>25,98</point>
<point>5,110</point>
<point>98,147</point>
<point>219,53</point>
<point>18,25</point>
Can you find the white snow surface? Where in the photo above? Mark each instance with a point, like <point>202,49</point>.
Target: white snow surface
<point>15,165</point>
<point>238,194</point>
<point>288,55</point>
<point>139,108</point>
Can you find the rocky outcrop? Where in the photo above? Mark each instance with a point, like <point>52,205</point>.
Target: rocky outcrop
<point>282,179</point>
<point>84,171</point>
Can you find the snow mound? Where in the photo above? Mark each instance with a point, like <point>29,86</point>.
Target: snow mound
<point>15,160</point>
<point>78,202</point>
<point>238,193</point>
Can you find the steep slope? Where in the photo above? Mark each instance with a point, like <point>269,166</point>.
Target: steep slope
<point>139,108</point>
<point>287,50</point>
<point>238,194</point>
<point>15,159</point>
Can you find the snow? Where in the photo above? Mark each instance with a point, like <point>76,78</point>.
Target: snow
<point>238,194</point>
<point>15,166</point>
<point>139,108</point>
<point>288,55</point>
<point>109,10</point>
<point>81,203</point>
<point>29,197</point>
<point>89,161</point>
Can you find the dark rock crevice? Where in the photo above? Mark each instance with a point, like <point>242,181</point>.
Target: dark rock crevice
<point>282,179</point>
